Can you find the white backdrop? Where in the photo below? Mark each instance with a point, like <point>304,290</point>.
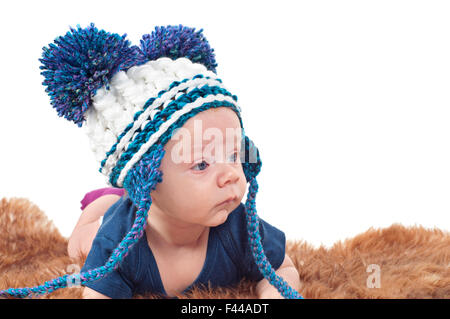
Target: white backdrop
<point>348,102</point>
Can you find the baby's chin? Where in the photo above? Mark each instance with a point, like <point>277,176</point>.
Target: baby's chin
<point>220,216</point>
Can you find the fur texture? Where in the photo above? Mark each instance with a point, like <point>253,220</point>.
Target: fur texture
<point>413,262</point>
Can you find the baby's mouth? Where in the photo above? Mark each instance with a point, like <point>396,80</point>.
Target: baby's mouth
<point>228,201</point>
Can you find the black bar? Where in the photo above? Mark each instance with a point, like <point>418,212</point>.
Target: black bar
<point>224,308</point>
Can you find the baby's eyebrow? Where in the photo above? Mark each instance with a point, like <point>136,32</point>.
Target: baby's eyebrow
<point>204,144</point>
<point>198,149</point>
<point>235,136</point>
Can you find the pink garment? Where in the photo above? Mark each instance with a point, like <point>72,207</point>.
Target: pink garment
<point>93,195</point>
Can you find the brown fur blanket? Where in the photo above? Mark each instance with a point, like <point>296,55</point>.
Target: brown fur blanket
<point>395,262</point>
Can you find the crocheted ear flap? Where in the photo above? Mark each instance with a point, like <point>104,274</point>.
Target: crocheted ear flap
<point>146,172</point>
<point>77,64</point>
<point>251,162</point>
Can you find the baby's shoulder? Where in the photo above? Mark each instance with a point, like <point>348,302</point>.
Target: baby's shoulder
<point>118,219</point>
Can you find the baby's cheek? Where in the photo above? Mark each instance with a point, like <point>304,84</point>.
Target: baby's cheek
<point>192,195</point>
<point>242,184</point>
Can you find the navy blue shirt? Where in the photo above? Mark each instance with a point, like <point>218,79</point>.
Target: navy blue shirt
<point>228,256</point>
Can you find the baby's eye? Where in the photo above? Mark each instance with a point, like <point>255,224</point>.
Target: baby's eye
<point>235,156</point>
<point>204,165</point>
<point>201,165</point>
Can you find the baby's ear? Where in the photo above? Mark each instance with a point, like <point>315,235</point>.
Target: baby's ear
<point>251,162</point>
<point>77,64</point>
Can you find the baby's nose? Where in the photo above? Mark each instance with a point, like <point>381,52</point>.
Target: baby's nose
<point>228,175</point>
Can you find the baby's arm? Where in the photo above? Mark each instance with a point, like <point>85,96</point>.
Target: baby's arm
<point>89,293</point>
<point>80,241</point>
<point>288,272</point>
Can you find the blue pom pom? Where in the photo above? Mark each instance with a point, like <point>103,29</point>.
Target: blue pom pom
<point>80,63</point>
<point>176,42</point>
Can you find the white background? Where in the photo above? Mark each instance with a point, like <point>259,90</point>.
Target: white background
<point>348,102</point>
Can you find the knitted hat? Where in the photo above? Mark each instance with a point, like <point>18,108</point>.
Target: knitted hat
<point>130,100</point>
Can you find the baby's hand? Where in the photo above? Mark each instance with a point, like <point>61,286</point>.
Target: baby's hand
<point>80,241</point>
<point>288,272</point>
<point>270,293</point>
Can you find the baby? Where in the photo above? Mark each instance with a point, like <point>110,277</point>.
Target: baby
<point>196,198</point>
<point>165,129</point>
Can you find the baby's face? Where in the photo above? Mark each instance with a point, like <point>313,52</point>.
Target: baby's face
<point>202,168</point>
